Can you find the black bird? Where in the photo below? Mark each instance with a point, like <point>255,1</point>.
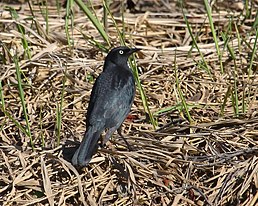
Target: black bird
<point>110,102</point>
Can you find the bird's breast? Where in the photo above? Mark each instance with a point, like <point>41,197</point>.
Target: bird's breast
<point>122,79</point>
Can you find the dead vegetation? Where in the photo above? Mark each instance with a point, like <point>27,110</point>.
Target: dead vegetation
<point>210,161</point>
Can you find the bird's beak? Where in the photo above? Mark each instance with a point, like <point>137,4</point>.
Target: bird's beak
<point>132,50</point>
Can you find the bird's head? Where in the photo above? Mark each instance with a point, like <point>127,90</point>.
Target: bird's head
<point>120,55</point>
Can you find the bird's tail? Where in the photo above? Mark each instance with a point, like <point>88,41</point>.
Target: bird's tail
<point>89,144</point>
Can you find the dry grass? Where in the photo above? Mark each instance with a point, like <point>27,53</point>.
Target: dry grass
<point>212,161</point>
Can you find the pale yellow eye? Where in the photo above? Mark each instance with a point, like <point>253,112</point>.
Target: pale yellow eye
<point>121,52</point>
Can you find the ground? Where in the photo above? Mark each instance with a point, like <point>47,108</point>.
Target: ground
<point>201,146</point>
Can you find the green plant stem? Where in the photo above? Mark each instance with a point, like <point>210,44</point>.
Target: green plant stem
<point>208,9</point>
<point>21,93</point>
<point>94,20</point>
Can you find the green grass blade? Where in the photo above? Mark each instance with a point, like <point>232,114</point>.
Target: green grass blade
<point>142,93</point>
<point>105,14</point>
<point>17,124</point>
<point>69,18</point>
<point>120,35</point>
<point>255,24</point>
<point>205,67</point>
<point>43,6</point>
<point>224,104</point>
<point>58,122</point>
<point>208,9</point>
<point>94,20</point>
<point>176,108</point>
<point>22,98</point>
<point>41,127</point>
<point>21,29</point>
<point>59,113</point>
<point>181,96</point>
<point>235,93</point>
<point>226,38</point>
<point>229,48</point>
<point>254,49</point>
<point>46,18</point>
<point>95,43</point>
<point>58,6</point>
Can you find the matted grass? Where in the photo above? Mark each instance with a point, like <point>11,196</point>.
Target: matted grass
<point>204,149</point>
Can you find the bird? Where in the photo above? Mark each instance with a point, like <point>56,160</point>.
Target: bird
<point>110,102</point>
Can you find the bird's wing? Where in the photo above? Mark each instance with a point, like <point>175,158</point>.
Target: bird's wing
<point>111,98</point>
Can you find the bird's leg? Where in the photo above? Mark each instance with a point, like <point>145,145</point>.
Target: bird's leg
<point>119,130</point>
<point>110,132</point>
